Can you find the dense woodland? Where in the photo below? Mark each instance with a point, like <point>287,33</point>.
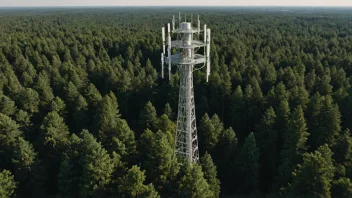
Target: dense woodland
<point>84,111</point>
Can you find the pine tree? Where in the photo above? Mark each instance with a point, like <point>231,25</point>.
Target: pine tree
<point>59,106</point>
<point>54,131</point>
<point>168,111</point>
<point>29,172</point>
<point>247,165</point>
<point>210,174</point>
<point>107,116</point>
<point>7,184</point>
<point>225,154</point>
<point>210,130</point>
<point>7,106</point>
<point>148,117</point>
<point>97,166</point>
<point>341,188</point>
<point>267,137</point>
<point>294,146</point>
<point>313,178</point>
<point>168,127</point>
<point>324,119</point>
<point>343,152</point>
<point>131,185</point>
<point>29,100</point>
<point>71,169</point>
<point>9,132</point>
<point>80,117</point>
<point>193,183</point>
<point>158,159</point>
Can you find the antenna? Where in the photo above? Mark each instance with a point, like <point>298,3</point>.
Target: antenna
<point>186,59</point>
<point>169,48</point>
<point>173,23</point>
<point>179,19</point>
<point>162,65</point>
<point>198,25</point>
<point>162,54</point>
<point>208,54</point>
<point>205,37</point>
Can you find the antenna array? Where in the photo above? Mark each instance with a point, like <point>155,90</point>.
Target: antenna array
<point>187,61</point>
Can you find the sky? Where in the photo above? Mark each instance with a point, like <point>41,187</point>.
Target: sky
<point>35,3</point>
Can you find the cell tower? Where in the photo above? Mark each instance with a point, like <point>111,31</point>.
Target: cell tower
<point>187,61</point>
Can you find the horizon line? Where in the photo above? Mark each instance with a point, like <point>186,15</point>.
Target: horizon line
<point>350,6</point>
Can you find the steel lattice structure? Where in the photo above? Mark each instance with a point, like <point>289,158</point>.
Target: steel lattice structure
<point>187,61</point>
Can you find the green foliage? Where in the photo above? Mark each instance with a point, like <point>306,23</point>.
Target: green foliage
<point>97,166</point>
<point>247,165</point>
<point>210,130</point>
<point>7,106</point>
<point>158,160</point>
<point>267,144</point>
<point>54,131</point>
<point>210,174</point>
<point>131,185</point>
<point>313,178</point>
<point>294,146</point>
<point>29,172</point>
<point>87,169</point>
<point>280,77</point>
<point>7,184</point>
<point>341,188</point>
<point>148,117</point>
<point>193,184</point>
<point>9,132</point>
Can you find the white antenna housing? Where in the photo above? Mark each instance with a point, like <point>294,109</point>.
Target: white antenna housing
<point>205,37</point>
<point>169,48</point>
<point>162,65</point>
<point>173,23</point>
<point>162,54</point>
<point>198,25</point>
<point>208,54</point>
<point>163,36</point>
<point>179,19</point>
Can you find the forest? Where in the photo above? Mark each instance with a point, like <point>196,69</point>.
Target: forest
<point>84,111</point>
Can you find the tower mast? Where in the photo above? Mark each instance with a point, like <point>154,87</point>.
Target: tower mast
<point>187,61</point>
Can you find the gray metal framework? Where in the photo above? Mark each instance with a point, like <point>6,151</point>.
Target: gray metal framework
<point>187,61</point>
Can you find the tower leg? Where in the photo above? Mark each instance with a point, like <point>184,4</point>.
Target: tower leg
<point>186,142</point>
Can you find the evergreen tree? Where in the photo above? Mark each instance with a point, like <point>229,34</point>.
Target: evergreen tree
<point>325,119</point>
<point>29,173</point>
<point>7,184</point>
<point>313,178</point>
<point>193,183</point>
<point>7,106</point>
<point>9,132</point>
<point>54,132</point>
<point>294,146</point>
<point>341,188</point>
<point>148,117</point>
<point>158,159</point>
<point>247,165</point>
<point>210,174</point>
<point>29,100</point>
<point>225,155</point>
<point>97,166</point>
<point>168,111</point>
<point>131,185</point>
<point>267,137</point>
